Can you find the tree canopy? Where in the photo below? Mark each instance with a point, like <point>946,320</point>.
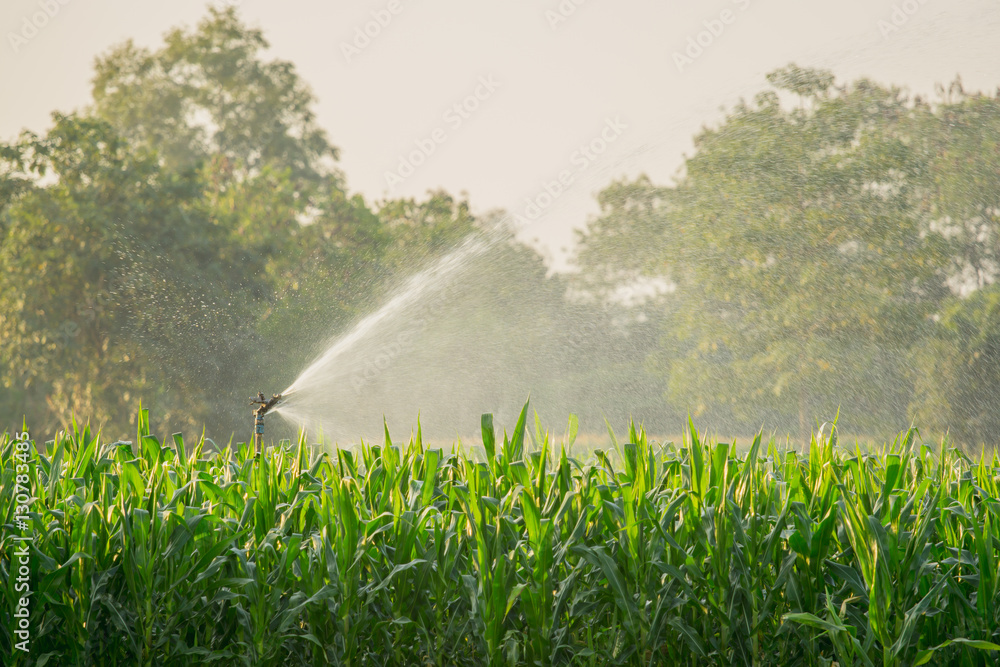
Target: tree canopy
<point>814,245</point>
<point>154,244</point>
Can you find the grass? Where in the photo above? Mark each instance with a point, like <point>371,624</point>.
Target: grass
<point>163,553</point>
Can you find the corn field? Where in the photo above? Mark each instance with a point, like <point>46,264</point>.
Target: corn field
<point>163,553</point>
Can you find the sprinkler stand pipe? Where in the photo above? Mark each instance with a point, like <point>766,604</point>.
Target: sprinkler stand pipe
<point>263,405</point>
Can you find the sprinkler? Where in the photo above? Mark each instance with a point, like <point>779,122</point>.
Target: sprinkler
<point>263,405</point>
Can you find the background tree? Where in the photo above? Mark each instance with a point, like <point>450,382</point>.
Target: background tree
<point>207,93</point>
<point>956,368</point>
<point>957,372</point>
<point>100,268</point>
<point>618,303</point>
<point>806,253</point>
<point>195,211</point>
<point>803,264</point>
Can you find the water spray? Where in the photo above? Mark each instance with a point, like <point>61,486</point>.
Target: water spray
<point>263,405</point>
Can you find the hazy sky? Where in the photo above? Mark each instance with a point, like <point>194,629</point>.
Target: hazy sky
<point>535,80</point>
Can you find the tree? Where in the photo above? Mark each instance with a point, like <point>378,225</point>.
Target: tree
<point>620,300</point>
<point>802,269</point>
<point>956,368</point>
<point>195,218</point>
<point>956,371</point>
<point>208,94</point>
<point>959,141</point>
<point>422,230</point>
<point>99,268</point>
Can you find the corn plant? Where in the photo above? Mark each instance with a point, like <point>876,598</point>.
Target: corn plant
<point>157,552</point>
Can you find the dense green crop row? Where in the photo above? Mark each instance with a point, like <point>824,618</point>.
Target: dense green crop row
<point>163,555</point>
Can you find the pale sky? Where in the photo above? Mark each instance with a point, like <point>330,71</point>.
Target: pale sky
<point>603,73</point>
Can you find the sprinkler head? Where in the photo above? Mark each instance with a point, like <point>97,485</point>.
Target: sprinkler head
<point>264,403</point>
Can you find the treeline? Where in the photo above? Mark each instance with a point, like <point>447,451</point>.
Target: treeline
<point>188,239</point>
<point>826,247</point>
<point>166,243</point>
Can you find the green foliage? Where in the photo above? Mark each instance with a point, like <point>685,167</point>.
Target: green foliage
<point>814,248</point>
<point>427,229</point>
<point>206,93</point>
<point>167,243</point>
<point>150,247</point>
<point>957,371</point>
<point>87,304</point>
<point>803,82</point>
<point>959,181</point>
<point>150,552</point>
<point>804,248</point>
